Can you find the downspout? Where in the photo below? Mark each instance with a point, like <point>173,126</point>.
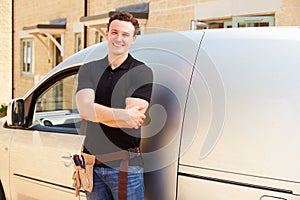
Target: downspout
<point>12,49</point>
<point>85,27</point>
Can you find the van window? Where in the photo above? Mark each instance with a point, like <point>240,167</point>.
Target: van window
<point>56,107</point>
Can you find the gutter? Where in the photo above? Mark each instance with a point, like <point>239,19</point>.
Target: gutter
<point>12,50</point>
<point>85,27</point>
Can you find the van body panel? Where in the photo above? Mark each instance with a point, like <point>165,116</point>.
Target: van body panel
<point>172,67</point>
<point>222,122</point>
<point>36,154</point>
<point>214,190</point>
<point>5,141</point>
<point>229,179</point>
<point>245,97</point>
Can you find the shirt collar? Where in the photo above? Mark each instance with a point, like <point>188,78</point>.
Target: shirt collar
<point>124,65</point>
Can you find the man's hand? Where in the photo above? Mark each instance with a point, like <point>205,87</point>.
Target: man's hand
<point>135,117</point>
<point>131,117</point>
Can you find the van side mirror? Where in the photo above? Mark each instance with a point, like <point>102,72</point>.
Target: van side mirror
<point>15,113</point>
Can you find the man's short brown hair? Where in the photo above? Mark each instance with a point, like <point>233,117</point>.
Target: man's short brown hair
<point>125,16</point>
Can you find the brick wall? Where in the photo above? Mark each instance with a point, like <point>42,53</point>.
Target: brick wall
<point>170,15</point>
<point>289,15</point>
<point>5,51</point>
<point>41,12</point>
<point>164,15</point>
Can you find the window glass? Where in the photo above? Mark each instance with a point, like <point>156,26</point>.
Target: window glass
<point>98,37</point>
<point>77,42</point>
<point>239,22</point>
<point>57,57</point>
<point>27,56</point>
<point>56,106</point>
<point>257,21</point>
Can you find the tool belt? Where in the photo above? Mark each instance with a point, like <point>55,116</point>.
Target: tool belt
<point>84,179</point>
<point>83,174</point>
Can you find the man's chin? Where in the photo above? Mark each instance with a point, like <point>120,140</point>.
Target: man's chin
<point>119,52</point>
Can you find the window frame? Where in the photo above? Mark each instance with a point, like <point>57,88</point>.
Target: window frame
<point>78,42</point>
<point>254,19</point>
<point>98,37</point>
<point>28,56</point>
<point>234,21</point>
<point>51,80</point>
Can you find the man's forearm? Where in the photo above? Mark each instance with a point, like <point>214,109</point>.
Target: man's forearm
<point>113,117</point>
<point>130,117</point>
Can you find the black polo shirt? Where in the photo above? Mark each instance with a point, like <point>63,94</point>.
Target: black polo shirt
<point>131,79</point>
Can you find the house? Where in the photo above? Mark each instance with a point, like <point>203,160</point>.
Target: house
<point>47,32</point>
<point>5,52</point>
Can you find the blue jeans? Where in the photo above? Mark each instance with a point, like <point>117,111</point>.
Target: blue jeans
<point>106,182</point>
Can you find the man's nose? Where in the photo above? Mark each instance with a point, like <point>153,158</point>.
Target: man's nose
<point>119,37</point>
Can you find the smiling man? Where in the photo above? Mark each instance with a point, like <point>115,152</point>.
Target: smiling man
<point>113,95</point>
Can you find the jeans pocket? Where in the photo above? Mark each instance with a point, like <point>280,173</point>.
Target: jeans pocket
<point>135,169</point>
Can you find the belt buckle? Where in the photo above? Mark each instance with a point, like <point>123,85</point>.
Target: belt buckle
<point>134,152</point>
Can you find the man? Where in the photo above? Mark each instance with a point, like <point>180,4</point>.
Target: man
<point>113,95</point>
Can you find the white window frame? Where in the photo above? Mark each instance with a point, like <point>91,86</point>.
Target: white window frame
<point>98,37</point>
<point>27,56</point>
<point>78,42</point>
<point>256,19</point>
<point>235,21</point>
<point>227,24</point>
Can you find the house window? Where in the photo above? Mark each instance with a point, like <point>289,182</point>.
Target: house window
<point>27,52</point>
<point>77,42</point>
<point>239,22</point>
<point>220,24</point>
<point>98,37</point>
<point>257,21</point>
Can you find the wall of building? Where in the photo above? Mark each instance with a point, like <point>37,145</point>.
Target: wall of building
<point>41,12</point>
<point>164,15</point>
<point>5,51</point>
<point>289,14</point>
<point>286,12</point>
<point>221,9</point>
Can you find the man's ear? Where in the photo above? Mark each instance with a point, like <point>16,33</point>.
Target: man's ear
<point>106,34</point>
<point>134,37</point>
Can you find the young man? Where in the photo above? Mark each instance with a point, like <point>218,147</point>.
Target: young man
<point>113,95</point>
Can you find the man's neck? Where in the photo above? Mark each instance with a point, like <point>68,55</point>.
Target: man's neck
<point>116,61</point>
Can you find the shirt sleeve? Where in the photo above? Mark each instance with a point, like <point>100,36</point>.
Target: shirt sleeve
<point>84,78</point>
<point>142,83</point>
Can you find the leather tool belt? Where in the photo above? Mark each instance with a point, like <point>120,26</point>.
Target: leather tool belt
<point>124,156</point>
<point>83,176</point>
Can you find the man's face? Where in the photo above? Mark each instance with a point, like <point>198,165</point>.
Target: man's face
<point>120,37</point>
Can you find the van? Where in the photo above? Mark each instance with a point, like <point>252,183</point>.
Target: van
<point>223,121</point>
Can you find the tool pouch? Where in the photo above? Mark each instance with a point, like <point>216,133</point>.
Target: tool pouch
<point>83,177</point>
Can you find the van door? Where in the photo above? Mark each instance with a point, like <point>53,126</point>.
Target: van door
<point>40,162</point>
<point>171,57</point>
<point>241,131</point>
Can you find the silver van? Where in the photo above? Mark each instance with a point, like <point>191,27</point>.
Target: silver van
<point>223,122</point>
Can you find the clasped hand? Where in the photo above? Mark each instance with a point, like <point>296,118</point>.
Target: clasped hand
<point>135,116</point>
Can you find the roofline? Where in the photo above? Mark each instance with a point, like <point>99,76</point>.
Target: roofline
<point>45,26</point>
<point>139,15</point>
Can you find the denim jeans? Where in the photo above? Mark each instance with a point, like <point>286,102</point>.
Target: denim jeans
<point>106,184</point>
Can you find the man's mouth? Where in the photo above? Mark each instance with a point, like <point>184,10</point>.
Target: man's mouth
<point>117,45</point>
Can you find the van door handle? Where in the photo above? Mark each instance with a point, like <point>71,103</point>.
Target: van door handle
<point>67,160</point>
